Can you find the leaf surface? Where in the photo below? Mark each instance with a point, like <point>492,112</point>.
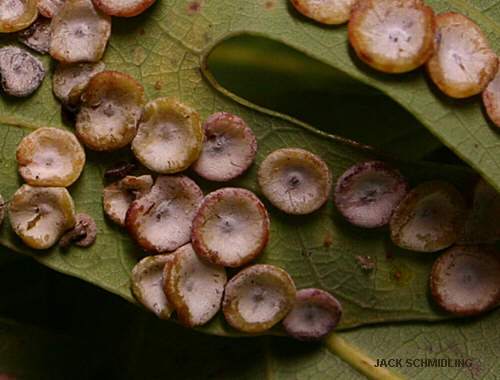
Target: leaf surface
<point>165,48</point>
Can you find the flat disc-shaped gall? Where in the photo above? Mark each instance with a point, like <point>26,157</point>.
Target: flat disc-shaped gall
<point>258,297</point>
<point>229,148</point>
<point>71,79</point>
<point>367,193</point>
<point>50,157</point>
<point>194,286</point>
<point>17,14</point>
<point>231,227</point>
<point>465,280</point>
<point>393,36</point>
<point>463,63</point>
<point>331,12</point>
<point>161,220</point>
<point>429,218</point>
<point>123,8</point>
<point>314,314</point>
<point>41,215</point>
<point>79,32</point>
<point>118,196</point>
<point>147,285</point>
<point>37,35</point>
<point>22,73</point>
<point>110,109</point>
<point>169,137</point>
<point>295,180</point>
<point>491,99</point>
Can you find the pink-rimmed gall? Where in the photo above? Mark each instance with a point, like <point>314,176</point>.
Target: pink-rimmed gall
<point>367,193</point>
<point>314,314</point>
<point>161,220</point>
<point>231,227</point>
<point>118,196</point>
<point>123,8</point>
<point>229,148</point>
<point>330,12</point>
<point>465,280</point>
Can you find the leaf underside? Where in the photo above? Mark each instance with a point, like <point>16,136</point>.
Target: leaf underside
<point>165,48</point>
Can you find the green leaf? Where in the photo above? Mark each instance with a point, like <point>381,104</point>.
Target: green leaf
<point>165,48</point>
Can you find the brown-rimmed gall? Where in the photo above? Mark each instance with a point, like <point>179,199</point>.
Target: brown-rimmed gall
<point>314,314</point>
<point>465,280</point>
<point>48,8</point>
<point>70,80</point>
<point>17,14</point>
<point>295,180</point>
<point>330,12</point>
<point>83,234</point>
<point>231,227</point>
<point>367,193</point>
<point>229,148</point>
<point>147,284</point>
<point>258,297</point>
<point>37,35</point>
<point>194,286</point>
<point>169,137</point>
<point>429,218</point>
<point>41,215</point>
<point>50,157</point>
<point>161,220</point>
<point>123,8</point>
<point>22,73</point>
<point>79,32</point>
<point>393,36</point>
<point>491,99</point>
<point>463,63</point>
<point>481,225</point>
<point>118,196</point>
<point>111,106</point>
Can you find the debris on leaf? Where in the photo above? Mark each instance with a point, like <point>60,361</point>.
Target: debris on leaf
<point>82,235</point>
<point>365,263</point>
